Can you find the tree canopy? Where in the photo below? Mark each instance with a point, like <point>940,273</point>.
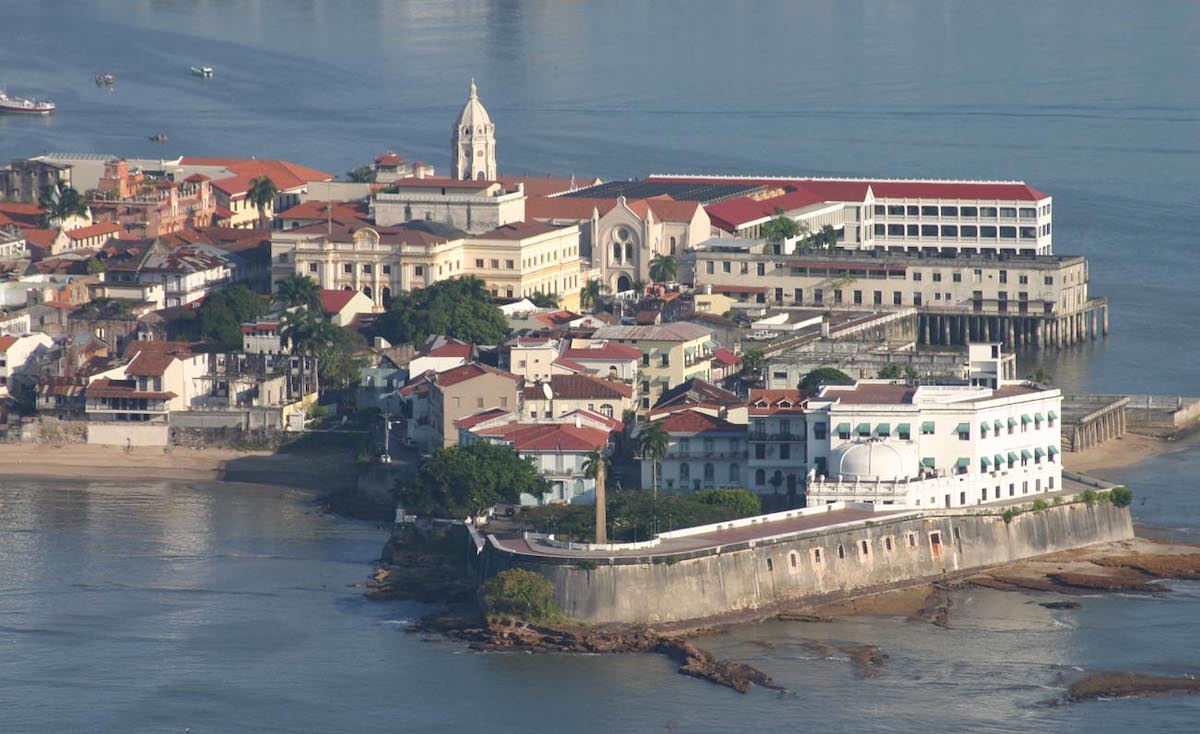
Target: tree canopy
<point>753,364</point>
<point>824,376</point>
<point>298,290</point>
<point>637,514</point>
<point>223,312</point>
<point>663,268</point>
<point>60,203</point>
<point>890,372</point>
<point>544,300</point>
<point>781,228</point>
<point>463,481</point>
<point>361,174</point>
<point>262,193</point>
<point>589,295</point>
<point>459,307</point>
<point>521,593</point>
<point>336,348</point>
<point>825,238</point>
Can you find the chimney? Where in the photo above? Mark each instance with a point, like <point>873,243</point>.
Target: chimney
<point>578,422</point>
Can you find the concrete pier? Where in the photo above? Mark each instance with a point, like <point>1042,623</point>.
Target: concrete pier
<point>955,327</point>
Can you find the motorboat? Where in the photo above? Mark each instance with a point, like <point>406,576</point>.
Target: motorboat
<point>107,79</point>
<point>203,71</point>
<point>25,106</point>
<point>159,138</point>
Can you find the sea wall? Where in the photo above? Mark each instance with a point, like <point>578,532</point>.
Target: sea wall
<point>758,576</point>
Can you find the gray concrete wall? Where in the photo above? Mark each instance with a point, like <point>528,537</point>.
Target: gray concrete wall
<point>747,578</point>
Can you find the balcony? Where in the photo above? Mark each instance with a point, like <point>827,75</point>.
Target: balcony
<point>764,436</point>
<point>714,454</point>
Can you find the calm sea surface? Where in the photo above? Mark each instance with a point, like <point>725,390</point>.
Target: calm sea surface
<point>160,607</point>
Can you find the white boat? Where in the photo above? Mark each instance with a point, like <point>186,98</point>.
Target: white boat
<point>204,71</point>
<point>24,106</point>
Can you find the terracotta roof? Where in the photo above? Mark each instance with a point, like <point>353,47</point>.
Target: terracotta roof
<point>725,357</point>
<point>769,402</point>
<point>897,393</point>
<point>693,422</point>
<point>552,437</point>
<point>676,331</point>
<point>554,319</point>
<point>439,182</point>
<point>106,388</point>
<point>7,341</point>
<point>468,372</point>
<point>481,417</point>
<point>389,159</point>
<point>20,215</point>
<point>95,230</point>
<point>608,351</point>
<point>441,346</point>
<point>40,237</point>
<point>613,423</point>
<point>235,186</point>
<point>285,174</point>
<point>568,365</point>
<point>667,209</point>
<point>517,231</point>
<point>334,301</point>
<point>697,391</point>
<point>317,211</point>
<point>196,178</point>
<point>751,289</point>
<point>580,387</point>
<point>152,358</point>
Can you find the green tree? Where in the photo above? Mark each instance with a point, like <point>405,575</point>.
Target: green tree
<point>60,202</point>
<point>336,349</point>
<point>459,307</point>
<point>743,502</point>
<point>298,290</point>
<point>361,174</point>
<point>262,194</point>
<point>781,228</point>
<point>589,295</point>
<point>463,481</point>
<point>663,268</point>
<point>1041,376</point>
<point>890,372</point>
<point>524,594</point>
<point>1121,496</point>
<point>596,467</point>
<point>825,238</point>
<point>753,364</point>
<point>652,444</point>
<point>910,372</point>
<point>824,376</point>
<point>544,300</point>
<point>223,312</point>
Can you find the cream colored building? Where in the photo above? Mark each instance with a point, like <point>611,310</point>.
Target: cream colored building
<point>671,354</point>
<point>473,143</point>
<point>472,206</point>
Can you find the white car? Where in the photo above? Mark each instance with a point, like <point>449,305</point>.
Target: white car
<point>762,335</point>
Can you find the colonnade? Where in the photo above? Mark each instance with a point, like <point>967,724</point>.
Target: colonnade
<point>1095,431</point>
<point>1015,330</point>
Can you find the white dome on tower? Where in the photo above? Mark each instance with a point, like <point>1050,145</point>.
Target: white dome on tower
<point>874,459</point>
<point>474,119</point>
<point>473,144</point>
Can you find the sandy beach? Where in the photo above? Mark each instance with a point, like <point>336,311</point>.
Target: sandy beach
<point>1123,452</point>
<point>84,462</point>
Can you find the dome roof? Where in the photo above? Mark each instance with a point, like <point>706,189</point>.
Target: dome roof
<point>874,459</point>
<point>473,114</point>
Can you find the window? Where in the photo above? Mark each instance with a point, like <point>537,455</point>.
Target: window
<point>895,211</point>
<point>1008,212</point>
<point>866,547</point>
<point>387,269</point>
<point>762,269</point>
<point>969,211</point>
<point>348,268</point>
<point>785,451</point>
<point>726,267</point>
<point>760,451</point>
<point>1028,233</point>
<point>916,298</point>
<point>929,211</point>
<point>880,229</point>
<point>792,559</point>
<point>912,230</point>
<point>895,230</point>
<point>478,402</point>
<point>897,298</point>
<point>521,363</point>
<point>819,431</point>
<point>1023,279</point>
<point>419,270</point>
<point>1003,276</point>
<point>816,555</point>
<point>937,277</point>
<point>987,211</point>
<point>887,544</point>
<point>312,267</point>
<point>879,210</point>
<point>770,566</point>
<point>911,210</point>
<point>987,232</point>
<point>929,230</point>
<point>841,551</point>
<point>916,276</point>
<point>818,295</point>
<point>969,230</point>
<point>1049,280</point>
<point>949,230</point>
<point>858,297</point>
<point>949,211</point>
<point>508,264</point>
<point>912,540</point>
<point>877,298</point>
<point>927,428</point>
<point>1008,233</point>
<point>708,267</point>
<point>957,277</point>
<point>844,431</point>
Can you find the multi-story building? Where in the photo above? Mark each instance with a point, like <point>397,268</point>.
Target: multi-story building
<point>777,441</point>
<point>459,392</point>
<point>1018,299</point>
<point>186,273</point>
<point>19,360</point>
<point>562,394</point>
<point>149,208</point>
<point>932,216</point>
<point>895,442</point>
<point>671,354</point>
<point>474,206</point>
<point>705,451</point>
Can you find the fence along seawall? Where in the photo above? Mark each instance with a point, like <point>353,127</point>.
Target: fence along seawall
<point>757,576</point>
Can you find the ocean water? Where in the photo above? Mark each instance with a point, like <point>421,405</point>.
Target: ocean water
<point>157,607</point>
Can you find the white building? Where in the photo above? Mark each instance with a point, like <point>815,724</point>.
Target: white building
<point>19,358</point>
<point>706,450</point>
<point>473,144</point>
<point>893,442</point>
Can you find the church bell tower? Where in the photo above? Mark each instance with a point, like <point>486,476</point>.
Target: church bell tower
<point>473,144</point>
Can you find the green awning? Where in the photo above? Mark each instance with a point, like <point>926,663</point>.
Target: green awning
<point>998,425</point>
<point>884,429</point>
<point>962,463</point>
<point>985,462</point>
<point>963,428</point>
<point>843,428</point>
<point>1012,422</point>
<point>1026,419</point>
<point>927,427</point>
<point>999,461</point>
<point>903,428</point>
<point>1037,418</point>
<point>1025,454</point>
<point>864,429</point>
<point>1012,456</point>
<point>985,427</point>
<point>927,461</point>
<point>1038,452</point>
<point>1053,415</point>
<point>1053,450</point>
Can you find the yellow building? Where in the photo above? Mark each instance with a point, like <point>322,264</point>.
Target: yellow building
<point>671,354</point>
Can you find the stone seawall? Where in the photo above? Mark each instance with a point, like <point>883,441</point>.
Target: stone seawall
<point>758,576</point>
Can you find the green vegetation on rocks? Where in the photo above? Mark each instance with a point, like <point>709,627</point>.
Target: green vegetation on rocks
<point>636,515</point>
<point>464,481</point>
<point>520,593</point>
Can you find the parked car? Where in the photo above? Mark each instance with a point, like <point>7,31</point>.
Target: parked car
<point>762,335</point>
<point>385,459</point>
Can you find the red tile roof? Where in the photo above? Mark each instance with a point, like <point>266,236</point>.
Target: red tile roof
<point>725,357</point>
<point>389,159</point>
<point>863,393</point>
<point>554,319</point>
<point>450,348</point>
<point>580,387</point>
<point>481,417</point>
<point>284,174</point>
<point>106,388</point>
<point>95,230</point>
<point>439,182</point>
<point>469,372</point>
<point>7,341</point>
<point>750,289</point>
<point>769,402</point>
<point>608,351</point>
<point>20,215</point>
<point>318,211</point>
<point>517,231</point>
<point>693,422</point>
<point>334,301</point>
<point>551,437</point>
<point>40,237</point>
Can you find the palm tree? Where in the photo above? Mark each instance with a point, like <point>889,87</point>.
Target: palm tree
<point>61,203</point>
<point>1041,376</point>
<point>298,291</point>
<point>589,295</point>
<point>753,363</point>
<point>262,192</point>
<point>663,268</point>
<point>653,443</point>
<point>361,174</point>
<point>596,467</point>
<point>306,331</point>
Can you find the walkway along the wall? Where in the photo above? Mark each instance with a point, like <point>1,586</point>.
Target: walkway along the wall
<point>758,575</point>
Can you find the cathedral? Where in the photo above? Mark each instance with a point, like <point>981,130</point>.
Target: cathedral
<point>473,147</point>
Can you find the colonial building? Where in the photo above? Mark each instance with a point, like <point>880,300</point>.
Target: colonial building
<point>705,451</point>
<point>474,206</point>
<point>671,354</point>
<point>777,441</point>
<point>147,207</point>
<point>562,394</point>
<point>473,143</point>
<point>461,391</point>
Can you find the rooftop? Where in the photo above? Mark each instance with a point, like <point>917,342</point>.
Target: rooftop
<point>676,331</point>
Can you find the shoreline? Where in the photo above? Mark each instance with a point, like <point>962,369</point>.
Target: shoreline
<point>84,462</point>
<point>1125,451</point>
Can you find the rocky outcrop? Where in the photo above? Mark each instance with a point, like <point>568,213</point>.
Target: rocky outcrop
<point>1129,685</point>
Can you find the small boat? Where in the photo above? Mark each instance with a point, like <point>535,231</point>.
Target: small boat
<point>25,106</point>
<point>204,71</point>
<point>105,80</point>
<point>159,137</point>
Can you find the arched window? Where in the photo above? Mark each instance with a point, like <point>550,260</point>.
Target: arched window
<point>685,473</point>
<point>672,245</point>
<point>629,251</point>
<point>709,473</point>
<point>606,410</point>
<point>617,252</point>
<point>386,295</point>
<point>735,473</point>
<point>760,478</point>
<point>367,291</point>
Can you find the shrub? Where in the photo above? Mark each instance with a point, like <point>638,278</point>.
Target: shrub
<point>1009,514</point>
<point>1040,506</point>
<point>1121,496</point>
<point>587,564</point>
<point>1088,497</point>
<point>523,594</point>
<point>671,560</point>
